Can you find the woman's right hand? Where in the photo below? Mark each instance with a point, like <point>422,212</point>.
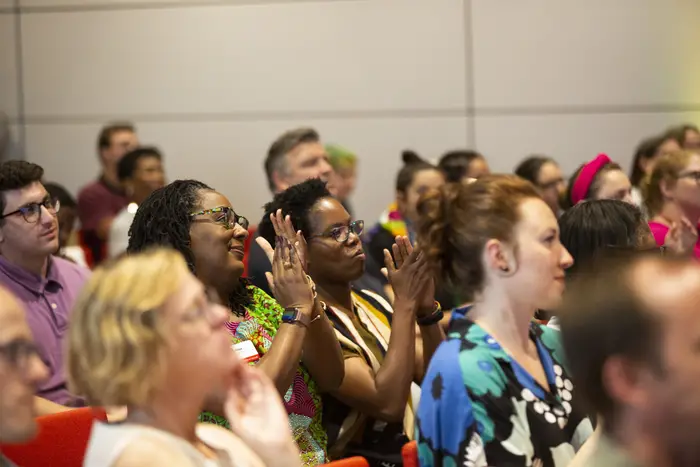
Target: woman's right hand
<point>682,237</point>
<point>288,281</point>
<point>255,412</point>
<point>406,272</point>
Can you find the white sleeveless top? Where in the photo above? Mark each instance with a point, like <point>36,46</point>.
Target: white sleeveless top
<point>108,442</point>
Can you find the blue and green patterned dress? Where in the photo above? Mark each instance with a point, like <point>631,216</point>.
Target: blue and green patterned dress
<point>479,407</point>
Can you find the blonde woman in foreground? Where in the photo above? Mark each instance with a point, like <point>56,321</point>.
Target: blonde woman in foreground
<point>146,335</point>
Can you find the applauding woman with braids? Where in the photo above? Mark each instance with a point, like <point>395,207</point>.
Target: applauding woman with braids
<point>201,224</point>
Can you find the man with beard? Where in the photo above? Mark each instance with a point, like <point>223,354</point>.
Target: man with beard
<point>632,337</point>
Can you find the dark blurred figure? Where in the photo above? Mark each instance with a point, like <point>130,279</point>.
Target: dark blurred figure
<point>645,157</point>
<point>141,173</point>
<point>344,177</point>
<point>101,200</point>
<point>630,334</point>
<point>687,135</point>
<point>461,165</point>
<point>66,224</point>
<point>545,174</point>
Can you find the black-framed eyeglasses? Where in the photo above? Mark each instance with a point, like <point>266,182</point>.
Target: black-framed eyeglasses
<point>18,353</point>
<point>225,216</point>
<point>341,233</point>
<point>694,175</point>
<point>32,212</point>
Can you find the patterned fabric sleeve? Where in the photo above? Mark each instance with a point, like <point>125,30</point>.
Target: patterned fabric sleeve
<point>459,427</point>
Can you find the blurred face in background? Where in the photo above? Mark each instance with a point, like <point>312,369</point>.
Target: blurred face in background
<point>477,168</point>
<point>614,184</point>
<point>692,139</point>
<point>121,142</point>
<point>66,223</point>
<point>305,161</point>
<point>343,181</point>
<point>423,181</point>
<point>551,184</point>
<point>686,189</point>
<point>147,178</point>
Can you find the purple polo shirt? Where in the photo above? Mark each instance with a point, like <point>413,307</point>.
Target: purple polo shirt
<point>48,303</point>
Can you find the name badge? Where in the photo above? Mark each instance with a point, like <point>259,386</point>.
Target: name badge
<point>246,351</point>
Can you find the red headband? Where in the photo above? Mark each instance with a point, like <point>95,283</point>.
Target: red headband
<point>586,176</point>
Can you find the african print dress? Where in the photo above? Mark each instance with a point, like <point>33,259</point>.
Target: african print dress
<point>479,407</point>
<point>302,400</point>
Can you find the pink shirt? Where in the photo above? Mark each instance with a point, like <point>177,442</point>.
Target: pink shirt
<point>660,231</point>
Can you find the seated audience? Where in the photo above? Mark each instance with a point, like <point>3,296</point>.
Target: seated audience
<point>545,174</point>
<point>463,165</point>
<point>646,155</point>
<point>344,176</point>
<point>145,335</point>
<point>686,135</point>
<point>140,172</point>
<point>66,224</point>
<point>295,156</point>
<point>498,391</point>
<point>599,228</point>
<point>635,370</point>
<point>21,372</point>
<point>600,178</point>
<point>47,285</point>
<point>101,200</point>
<point>368,414</point>
<point>672,196</point>
<point>201,224</point>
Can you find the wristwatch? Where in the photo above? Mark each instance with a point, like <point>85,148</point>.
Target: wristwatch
<point>293,315</point>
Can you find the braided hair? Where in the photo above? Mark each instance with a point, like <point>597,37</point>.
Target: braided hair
<point>163,219</point>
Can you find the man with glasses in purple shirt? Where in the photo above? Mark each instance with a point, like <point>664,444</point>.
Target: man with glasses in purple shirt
<point>21,371</point>
<point>46,285</point>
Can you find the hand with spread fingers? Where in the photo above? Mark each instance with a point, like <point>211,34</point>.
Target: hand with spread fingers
<point>408,274</point>
<point>682,237</point>
<point>255,412</point>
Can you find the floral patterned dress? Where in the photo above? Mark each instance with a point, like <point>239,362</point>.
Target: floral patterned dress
<point>302,400</point>
<point>479,407</point>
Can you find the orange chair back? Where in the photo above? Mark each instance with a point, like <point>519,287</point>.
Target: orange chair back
<point>61,441</point>
<point>409,452</point>
<point>349,462</point>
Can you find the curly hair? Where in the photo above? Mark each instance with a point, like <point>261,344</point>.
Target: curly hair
<point>15,175</point>
<point>164,219</point>
<point>296,201</point>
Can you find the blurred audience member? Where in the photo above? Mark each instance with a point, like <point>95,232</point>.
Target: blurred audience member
<point>630,335</point>
<point>498,391</point>
<point>295,156</point>
<point>545,174</point>
<point>201,224</point>
<point>102,199</point>
<point>598,228</point>
<point>45,284</point>
<point>462,165</point>
<point>672,197</point>
<point>140,172</point>
<point>344,178</point>
<point>646,155</point>
<point>67,216</point>
<point>687,136</point>
<point>21,372</point>
<point>383,355</point>
<point>600,178</point>
<point>145,335</point>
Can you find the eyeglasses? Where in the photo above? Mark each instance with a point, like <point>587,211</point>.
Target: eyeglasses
<point>228,217</point>
<point>341,233</point>
<point>32,212</point>
<point>695,176</point>
<point>19,353</point>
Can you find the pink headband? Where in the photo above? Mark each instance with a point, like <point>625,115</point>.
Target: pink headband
<point>586,176</point>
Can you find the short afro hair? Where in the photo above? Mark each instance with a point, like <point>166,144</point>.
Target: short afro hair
<point>296,202</point>
<point>164,220</point>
